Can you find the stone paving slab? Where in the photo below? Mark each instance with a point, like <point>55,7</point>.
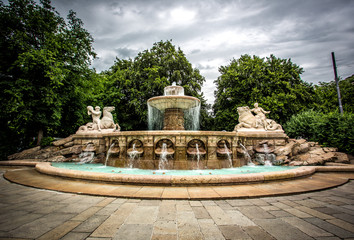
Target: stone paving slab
<point>326,214</point>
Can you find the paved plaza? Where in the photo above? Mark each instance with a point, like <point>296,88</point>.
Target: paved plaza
<point>30,213</point>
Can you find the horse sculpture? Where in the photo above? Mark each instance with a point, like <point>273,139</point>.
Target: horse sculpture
<point>248,120</point>
<point>97,124</point>
<point>107,119</point>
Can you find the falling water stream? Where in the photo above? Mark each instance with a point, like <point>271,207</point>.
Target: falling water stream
<point>267,162</point>
<point>198,155</point>
<point>87,156</point>
<point>134,154</point>
<point>228,155</point>
<point>163,157</point>
<point>247,156</point>
<point>108,154</point>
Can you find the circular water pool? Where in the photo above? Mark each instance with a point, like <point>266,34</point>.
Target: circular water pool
<point>100,168</point>
<point>99,172</point>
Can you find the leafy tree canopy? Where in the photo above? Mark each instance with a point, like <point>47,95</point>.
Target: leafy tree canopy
<point>328,99</point>
<point>130,83</point>
<point>272,82</point>
<point>43,70</point>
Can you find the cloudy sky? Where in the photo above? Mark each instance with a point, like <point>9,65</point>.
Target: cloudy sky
<point>212,32</point>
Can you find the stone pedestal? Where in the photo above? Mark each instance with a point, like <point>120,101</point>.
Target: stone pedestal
<point>173,119</point>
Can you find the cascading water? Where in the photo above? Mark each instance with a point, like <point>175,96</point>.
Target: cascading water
<point>163,157</point>
<point>173,90</point>
<point>192,117</point>
<point>155,118</point>
<point>87,156</point>
<point>134,154</point>
<point>173,110</point>
<point>267,161</point>
<point>247,156</point>
<point>228,155</point>
<point>198,155</point>
<point>109,153</point>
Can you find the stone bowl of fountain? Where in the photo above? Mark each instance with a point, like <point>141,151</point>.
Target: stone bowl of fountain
<point>173,105</point>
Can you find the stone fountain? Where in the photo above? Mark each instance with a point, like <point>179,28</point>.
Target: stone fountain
<point>174,136</point>
<point>172,146</point>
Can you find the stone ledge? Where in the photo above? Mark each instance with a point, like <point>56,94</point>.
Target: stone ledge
<point>47,168</point>
<point>315,182</point>
<point>24,162</point>
<point>348,168</point>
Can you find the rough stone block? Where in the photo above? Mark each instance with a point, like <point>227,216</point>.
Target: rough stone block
<point>28,153</point>
<point>330,149</point>
<point>301,141</point>
<point>285,150</point>
<point>69,144</point>
<point>304,147</point>
<point>297,163</point>
<point>279,142</point>
<point>316,151</point>
<point>76,149</point>
<point>329,157</point>
<point>63,141</point>
<point>59,158</point>
<point>341,157</point>
<point>315,160</point>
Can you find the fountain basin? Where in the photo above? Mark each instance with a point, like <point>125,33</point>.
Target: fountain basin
<point>165,102</point>
<point>181,144</point>
<point>163,179</point>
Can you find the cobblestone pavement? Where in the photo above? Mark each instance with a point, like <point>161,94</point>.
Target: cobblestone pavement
<point>29,213</point>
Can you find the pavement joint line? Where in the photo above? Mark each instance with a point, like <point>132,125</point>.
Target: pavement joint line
<point>60,230</point>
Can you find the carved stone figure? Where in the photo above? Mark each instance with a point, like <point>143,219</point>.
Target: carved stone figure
<point>98,124</point>
<point>259,121</point>
<point>107,121</point>
<point>246,118</point>
<point>96,114</point>
<point>260,115</point>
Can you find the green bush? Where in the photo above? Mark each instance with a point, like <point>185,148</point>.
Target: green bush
<point>331,129</point>
<point>47,141</point>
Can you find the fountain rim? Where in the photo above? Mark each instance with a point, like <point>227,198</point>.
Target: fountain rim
<point>192,101</point>
<point>174,180</point>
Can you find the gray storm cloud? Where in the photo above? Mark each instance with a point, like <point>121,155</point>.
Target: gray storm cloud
<point>212,32</point>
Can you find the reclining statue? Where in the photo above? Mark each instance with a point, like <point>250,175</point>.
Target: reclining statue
<point>97,124</point>
<point>259,121</point>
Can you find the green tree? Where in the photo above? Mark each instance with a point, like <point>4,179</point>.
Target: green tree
<point>327,95</point>
<point>272,82</point>
<point>44,69</point>
<point>130,83</point>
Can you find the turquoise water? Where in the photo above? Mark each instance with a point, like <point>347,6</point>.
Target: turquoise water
<point>90,167</point>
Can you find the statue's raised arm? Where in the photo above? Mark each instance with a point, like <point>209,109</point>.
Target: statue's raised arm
<point>96,115</point>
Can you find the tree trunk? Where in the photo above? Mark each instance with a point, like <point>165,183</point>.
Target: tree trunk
<point>39,137</point>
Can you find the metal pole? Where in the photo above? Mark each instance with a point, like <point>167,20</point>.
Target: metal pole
<point>337,83</point>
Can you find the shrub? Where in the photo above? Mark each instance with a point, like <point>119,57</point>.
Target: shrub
<point>47,141</point>
<point>331,129</point>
